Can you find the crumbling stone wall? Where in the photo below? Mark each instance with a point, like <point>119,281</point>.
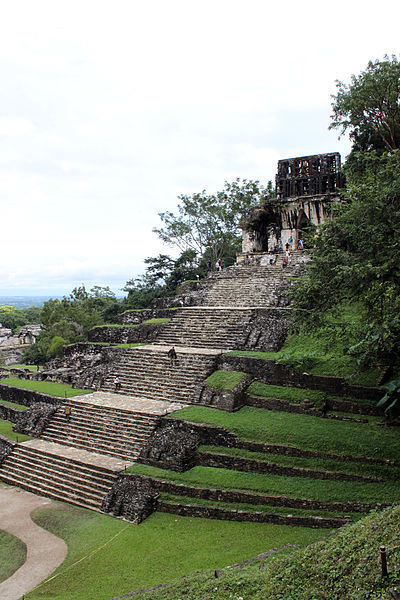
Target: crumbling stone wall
<point>6,447</point>
<point>34,420</point>
<point>82,365</point>
<point>229,400</point>
<point>133,498</point>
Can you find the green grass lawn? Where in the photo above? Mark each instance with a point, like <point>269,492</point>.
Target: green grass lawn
<point>12,554</point>
<point>6,430</point>
<point>13,405</point>
<point>356,467</point>
<point>225,380</point>
<point>32,368</point>
<point>156,321</point>
<point>60,390</point>
<point>305,431</point>
<point>344,566</point>
<point>160,549</point>
<point>293,394</point>
<point>278,485</point>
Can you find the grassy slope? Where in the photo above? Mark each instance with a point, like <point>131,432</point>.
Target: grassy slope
<point>160,549</point>
<point>12,554</point>
<point>314,433</point>
<point>6,430</point>
<point>323,351</point>
<point>343,566</point>
<point>45,387</point>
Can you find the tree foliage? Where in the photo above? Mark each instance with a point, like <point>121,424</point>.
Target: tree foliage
<point>369,107</point>
<point>209,223</point>
<point>356,259</point>
<point>163,275</point>
<point>68,321</point>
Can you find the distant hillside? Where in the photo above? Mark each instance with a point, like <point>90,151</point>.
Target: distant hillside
<point>21,302</point>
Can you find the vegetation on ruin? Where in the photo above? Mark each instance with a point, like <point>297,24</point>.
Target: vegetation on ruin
<point>225,380</point>
<point>156,321</point>
<point>295,395</point>
<point>277,485</point>
<point>160,549</point>
<point>305,431</point>
<point>60,390</point>
<point>12,554</point>
<point>6,429</point>
<point>356,256</point>
<point>13,405</point>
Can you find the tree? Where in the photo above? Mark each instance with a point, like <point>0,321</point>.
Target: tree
<point>68,320</point>
<point>209,223</point>
<point>369,107</point>
<point>356,259</point>
<point>163,275</point>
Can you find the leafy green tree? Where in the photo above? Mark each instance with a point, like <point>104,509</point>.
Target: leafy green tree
<point>68,320</point>
<point>357,257</point>
<point>369,107</point>
<point>210,223</point>
<point>163,275</point>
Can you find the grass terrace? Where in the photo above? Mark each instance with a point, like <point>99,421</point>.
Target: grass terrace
<point>60,390</point>
<point>225,380</point>
<point>12,554</point>
<point>130,557</point>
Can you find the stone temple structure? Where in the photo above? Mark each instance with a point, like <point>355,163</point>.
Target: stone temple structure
<point>306,188</point>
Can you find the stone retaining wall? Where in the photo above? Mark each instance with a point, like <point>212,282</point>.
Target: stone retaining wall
<point>125,335</point>
<point>26,397</point>
<point>268,371</point>
<point>6,447</point>
<point>240,463</point>
<point>223,514</point>
<point>10,414</point>
<point>240,497</point>
<point>356,408</point>
<point>135,317</point>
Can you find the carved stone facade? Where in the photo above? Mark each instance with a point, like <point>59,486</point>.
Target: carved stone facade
<point>306,188</point>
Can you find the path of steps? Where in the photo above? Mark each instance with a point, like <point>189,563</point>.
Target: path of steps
<point>61,473</point>
<point>247,287</point>
<point>147,372</point>
<point>78,461</point>
<point>204,327</point>
<point>106,430</point>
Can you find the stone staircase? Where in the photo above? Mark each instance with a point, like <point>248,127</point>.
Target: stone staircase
<point>203,327</point>
<point>105,430</point>
<point>50,473</point>
<point>249,286</point>
<point>147,372</point>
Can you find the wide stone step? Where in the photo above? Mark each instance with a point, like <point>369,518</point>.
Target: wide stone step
<point>50,491</point>
<point>96,480</point>
<point>85,444</point>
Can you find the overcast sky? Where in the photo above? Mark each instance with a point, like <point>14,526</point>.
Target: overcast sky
<point>110,110</point>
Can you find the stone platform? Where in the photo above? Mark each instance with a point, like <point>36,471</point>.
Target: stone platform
<point>133,404</point>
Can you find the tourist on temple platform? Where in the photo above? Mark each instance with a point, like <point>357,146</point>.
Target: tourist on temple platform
<point>272,258</point>
<point>67,412</point>
<point>301,245</point>
<point>209,266</point>
<point>246,260</point>
<point>280,247</point>
<point>290,240</point>
<point>117,384</point>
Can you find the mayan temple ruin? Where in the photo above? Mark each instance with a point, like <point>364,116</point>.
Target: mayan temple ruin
<point>81,457</point>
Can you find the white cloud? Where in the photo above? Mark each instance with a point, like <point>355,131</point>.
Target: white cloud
<point>111,110</point>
